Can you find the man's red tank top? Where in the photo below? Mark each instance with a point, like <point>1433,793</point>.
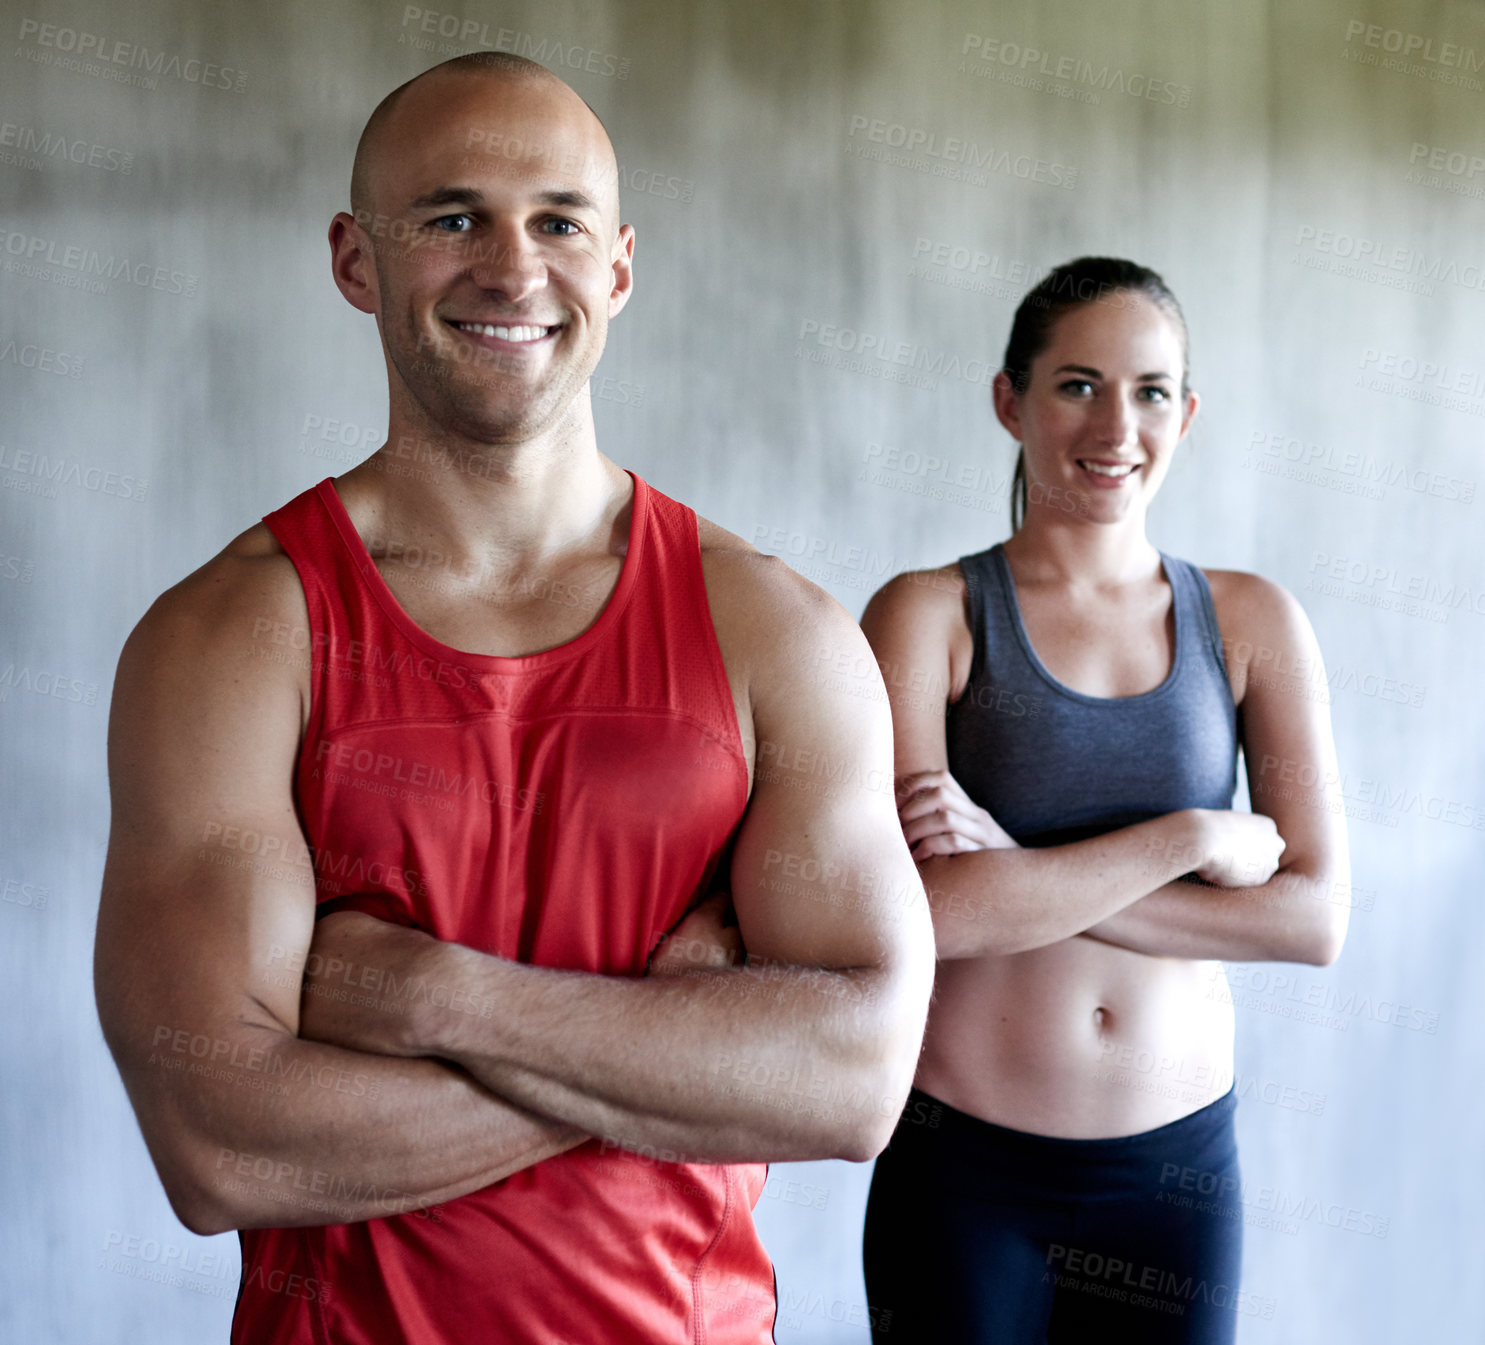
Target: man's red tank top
<point>561,809</point>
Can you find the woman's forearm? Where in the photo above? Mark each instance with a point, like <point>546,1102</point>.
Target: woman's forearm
<point>1297,916</point>
<point>1013,900</point>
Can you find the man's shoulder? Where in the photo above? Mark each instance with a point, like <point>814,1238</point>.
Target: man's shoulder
<point>714,537</point>
<point>221,609</point>
<point>746,584</point>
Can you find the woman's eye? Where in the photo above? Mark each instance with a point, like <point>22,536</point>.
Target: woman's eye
<point>1078,387</point>
<point>1156,394</point>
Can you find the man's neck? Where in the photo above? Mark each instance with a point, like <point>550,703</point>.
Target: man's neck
<point>505,506</point>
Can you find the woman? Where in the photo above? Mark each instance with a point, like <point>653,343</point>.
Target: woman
<point>1065,1169</point>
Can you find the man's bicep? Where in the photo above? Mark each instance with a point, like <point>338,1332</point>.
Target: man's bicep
<point>208,891</point>
<point>821,873</point>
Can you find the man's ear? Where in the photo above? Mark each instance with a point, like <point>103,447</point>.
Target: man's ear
<point>623,263</point>
<point>352,265</point>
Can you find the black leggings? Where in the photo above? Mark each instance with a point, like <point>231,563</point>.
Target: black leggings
<point>981,1235</point>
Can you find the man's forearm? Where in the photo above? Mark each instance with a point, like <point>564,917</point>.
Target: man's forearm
<point>747,1064</point>
<point>273,1131</point>
<point>1290,918</point>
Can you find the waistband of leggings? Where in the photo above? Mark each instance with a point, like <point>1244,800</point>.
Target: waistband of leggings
<point>927,1116</point>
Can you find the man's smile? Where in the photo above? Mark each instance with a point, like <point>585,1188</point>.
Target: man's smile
<point>522,334</point>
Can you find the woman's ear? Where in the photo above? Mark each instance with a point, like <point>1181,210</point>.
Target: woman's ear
<point>1193,403</point>
<point>1007,405</point>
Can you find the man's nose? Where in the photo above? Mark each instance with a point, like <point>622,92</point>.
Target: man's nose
<point>506,264</point>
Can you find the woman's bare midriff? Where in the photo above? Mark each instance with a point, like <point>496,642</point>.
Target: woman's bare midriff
<point>1079,1040</point>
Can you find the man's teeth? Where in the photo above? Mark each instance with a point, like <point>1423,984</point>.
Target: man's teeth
<point>504,333</point>
<point>1100,469</point>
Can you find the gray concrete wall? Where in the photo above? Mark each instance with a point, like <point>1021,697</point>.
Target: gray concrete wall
<point>1309,180</point>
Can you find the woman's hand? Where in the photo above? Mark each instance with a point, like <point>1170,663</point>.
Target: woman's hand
<point>939,818</point>
<point>1241,849</point>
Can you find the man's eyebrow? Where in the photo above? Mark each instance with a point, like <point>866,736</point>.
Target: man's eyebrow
<point>570,197</point>
<point>440,196</point>
<point>473,199</point>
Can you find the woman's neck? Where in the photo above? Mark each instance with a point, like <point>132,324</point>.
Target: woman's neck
<point>1075,551</point>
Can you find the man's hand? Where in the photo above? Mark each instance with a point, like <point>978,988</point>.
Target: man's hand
<point>364,979</point>
<point>807,1051</point>
<point>706,938</point>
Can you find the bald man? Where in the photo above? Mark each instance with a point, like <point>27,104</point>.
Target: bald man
<point>410,952</point>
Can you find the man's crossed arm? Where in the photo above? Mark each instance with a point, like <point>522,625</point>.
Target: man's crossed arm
<point>252,1122</point>
<point>808,1050</point>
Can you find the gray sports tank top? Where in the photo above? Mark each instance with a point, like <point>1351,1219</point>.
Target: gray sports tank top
<point>1052,765</point>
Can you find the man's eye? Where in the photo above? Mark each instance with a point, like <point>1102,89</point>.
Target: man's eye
<point>457,224</point>
<point>563,228</point>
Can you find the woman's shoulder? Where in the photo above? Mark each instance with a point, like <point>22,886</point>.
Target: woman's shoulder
<point>1248,597</point>
<point>921,594</point>
<point>921,618</point>
<point>1262,624</point>
<point>919,605</point>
